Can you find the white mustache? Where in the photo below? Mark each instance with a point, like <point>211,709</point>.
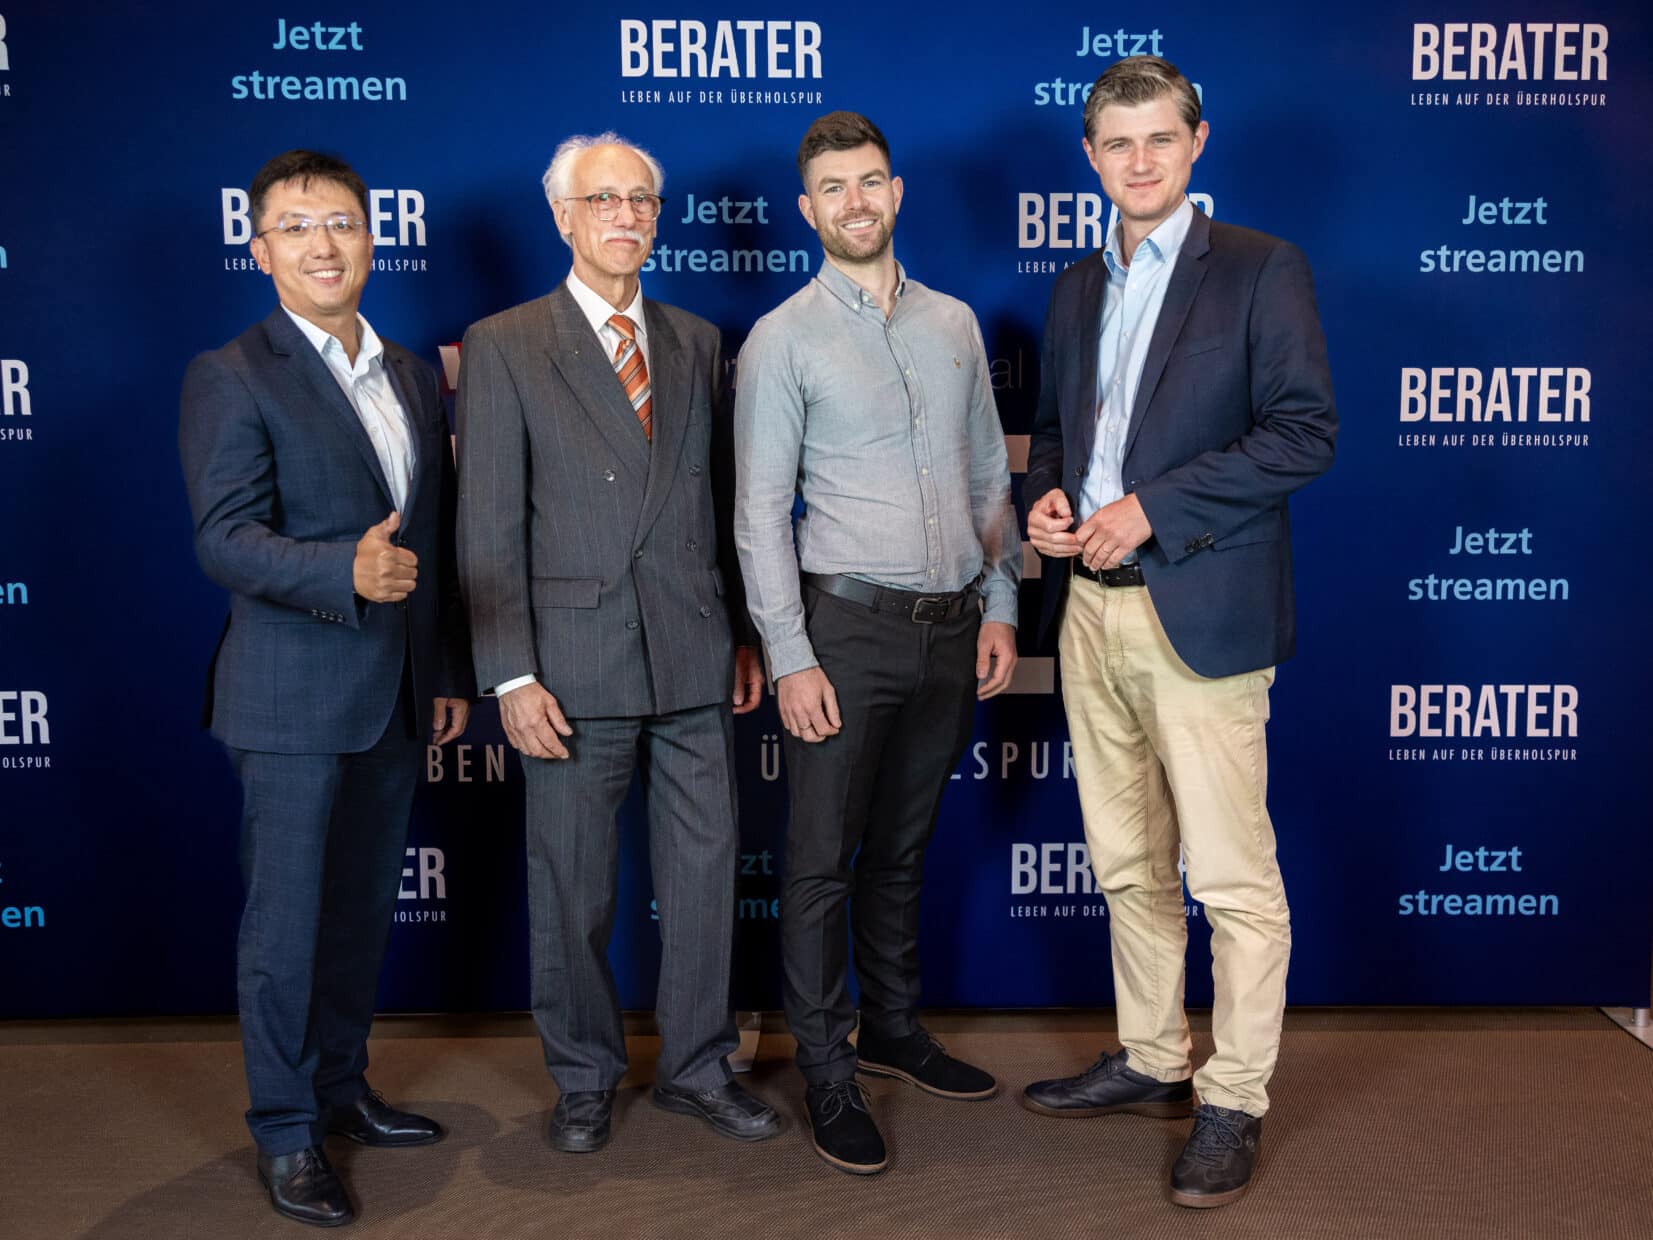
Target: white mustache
<point>622,234</point>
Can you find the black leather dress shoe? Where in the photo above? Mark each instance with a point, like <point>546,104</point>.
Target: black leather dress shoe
<point>843,1128</point>
<point>729,1109</point>
<point>1106,1087</point>
<point>1215,1165</point>
<point>370,1120</point>
<point>920,1060</point>
<point>303,1186</point>
<point>579,1124</point>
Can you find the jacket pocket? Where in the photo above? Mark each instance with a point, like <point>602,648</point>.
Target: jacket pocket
<point>1205,344</point>
<point>565,591</point>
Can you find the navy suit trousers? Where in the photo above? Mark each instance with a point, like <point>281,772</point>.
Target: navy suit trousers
<point>322,840</point>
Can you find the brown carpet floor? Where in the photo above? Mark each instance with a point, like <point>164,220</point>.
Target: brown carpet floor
<point>1389,1123</point>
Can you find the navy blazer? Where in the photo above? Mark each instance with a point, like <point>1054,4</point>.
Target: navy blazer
<point>1234,412</point>
<point>283,481</point>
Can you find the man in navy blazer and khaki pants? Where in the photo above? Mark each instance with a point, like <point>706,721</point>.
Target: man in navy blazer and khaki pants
<point>322,488</point>
<point>1184,396</point>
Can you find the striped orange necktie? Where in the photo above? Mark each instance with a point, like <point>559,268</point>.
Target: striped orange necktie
<point>634,373</point>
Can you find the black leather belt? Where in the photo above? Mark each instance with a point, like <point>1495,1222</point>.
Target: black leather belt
<point>1124,575</point>
<point>919,608</point>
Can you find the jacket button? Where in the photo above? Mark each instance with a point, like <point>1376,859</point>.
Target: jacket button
<point>692,545</point>
<point>631,624</point>
<point>694,471</point>
<point>608,475</point>
<point>1078,471</point>
<point>637,554</point>
<point>705,611</point>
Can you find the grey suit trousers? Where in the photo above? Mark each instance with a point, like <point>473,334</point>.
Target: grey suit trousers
<point>686,763</point>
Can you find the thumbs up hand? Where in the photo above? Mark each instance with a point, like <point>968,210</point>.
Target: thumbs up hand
<point>384,572</point>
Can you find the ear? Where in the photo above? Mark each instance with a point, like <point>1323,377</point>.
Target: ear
<point>807,208</point>
<point>1200,135</point>
<point>896,189</point>
<point>261,253</point>
<point>559,214</point>
<point>1090,154</point>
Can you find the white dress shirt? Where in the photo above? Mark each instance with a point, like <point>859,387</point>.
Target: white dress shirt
<point>367,387</point>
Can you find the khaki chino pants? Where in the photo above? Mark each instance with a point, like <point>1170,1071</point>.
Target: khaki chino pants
<point>1170,760</point>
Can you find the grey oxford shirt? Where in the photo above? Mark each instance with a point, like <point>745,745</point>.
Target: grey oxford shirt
<point>888,430</point>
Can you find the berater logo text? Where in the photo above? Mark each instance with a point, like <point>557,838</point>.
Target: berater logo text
<point>670,48</point>
<point>14,398</point>
<point>1517,51</point>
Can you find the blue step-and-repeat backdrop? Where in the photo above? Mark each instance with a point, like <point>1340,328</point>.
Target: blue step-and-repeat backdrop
<point>1459,748</point>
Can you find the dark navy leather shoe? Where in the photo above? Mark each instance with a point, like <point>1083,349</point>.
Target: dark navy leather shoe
<point>1109,1086</point>
<point>1215,1165</point>
<point>370,1120</point>
<point>729,1109</point>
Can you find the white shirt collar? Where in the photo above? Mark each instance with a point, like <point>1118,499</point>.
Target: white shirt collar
<point>371,349</point>
<point>597,310</point>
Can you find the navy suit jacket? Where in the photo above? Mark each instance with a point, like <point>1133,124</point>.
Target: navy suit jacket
<point>591,558</point>
<point>283,481</point>
<point>1234,412</point>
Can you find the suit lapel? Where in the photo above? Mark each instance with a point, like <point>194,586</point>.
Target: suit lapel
<point>584,364</point>
<point>1185,281</point>
<point>287,341</point>
<point>407,392</point>
<point>669,378</point>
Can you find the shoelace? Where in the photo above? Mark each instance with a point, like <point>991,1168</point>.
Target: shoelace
<point>1213,1135</point>
<point>1107,1065</point>
<point>311,1162</point>
<point>841,1094</point>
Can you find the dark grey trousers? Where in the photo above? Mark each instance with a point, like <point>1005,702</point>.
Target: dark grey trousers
<point>686,764</point>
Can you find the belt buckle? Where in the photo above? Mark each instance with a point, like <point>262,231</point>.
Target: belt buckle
<point>928,610</point>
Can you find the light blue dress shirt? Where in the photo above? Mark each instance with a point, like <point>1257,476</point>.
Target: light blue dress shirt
<point>1130,309</point>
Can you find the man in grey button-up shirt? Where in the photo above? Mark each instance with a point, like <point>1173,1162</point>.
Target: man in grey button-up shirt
<point>868,394</point>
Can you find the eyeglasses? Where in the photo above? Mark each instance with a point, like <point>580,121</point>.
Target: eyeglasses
<point>340,227</point>
<point>606,206</point>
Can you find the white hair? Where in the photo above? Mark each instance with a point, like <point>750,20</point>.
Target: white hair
<point>560,171</point>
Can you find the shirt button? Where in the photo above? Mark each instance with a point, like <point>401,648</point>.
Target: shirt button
<point>931,521</point>
<point>631,624</point>
<point>908,373</point>
<point>925,472</point>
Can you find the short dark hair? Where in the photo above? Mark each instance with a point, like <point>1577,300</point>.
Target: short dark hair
<point>1138,80</point>
<point>838,131</point>
<point>303,167</point>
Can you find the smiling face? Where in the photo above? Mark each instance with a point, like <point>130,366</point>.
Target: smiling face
<point>852,203</point>
<point>318,277</point>
<point>607,256</point>
<point>1144,154</point>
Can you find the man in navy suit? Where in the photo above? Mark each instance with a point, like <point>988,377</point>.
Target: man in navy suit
<point>322,488</point>
<point>1184,396</point>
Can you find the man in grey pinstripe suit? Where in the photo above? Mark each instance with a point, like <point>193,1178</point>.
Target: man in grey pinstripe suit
<point>595,497</point>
